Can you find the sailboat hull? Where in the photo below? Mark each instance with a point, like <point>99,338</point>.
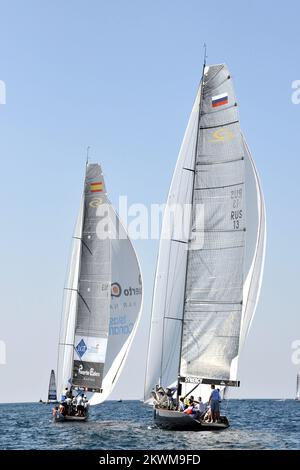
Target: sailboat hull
<point>63,419</point>
<point>178,421</point>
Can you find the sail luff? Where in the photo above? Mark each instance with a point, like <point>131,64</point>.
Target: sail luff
<point>190,228</point>
<point>167,302</point>
<point>68,318</point>
<point>76,293</point>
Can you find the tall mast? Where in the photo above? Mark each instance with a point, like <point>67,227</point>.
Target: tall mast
<point>194,174</point>
<point>80,250</point>
<point>87,156</point>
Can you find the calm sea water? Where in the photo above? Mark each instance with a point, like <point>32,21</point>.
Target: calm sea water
<point>255,424</point>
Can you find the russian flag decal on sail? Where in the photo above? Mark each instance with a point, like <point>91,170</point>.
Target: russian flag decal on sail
<point>219,100</point>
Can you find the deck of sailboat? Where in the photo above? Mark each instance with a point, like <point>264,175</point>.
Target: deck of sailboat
<point>178,421</point>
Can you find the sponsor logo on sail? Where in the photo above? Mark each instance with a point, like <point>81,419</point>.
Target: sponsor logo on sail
<point>222,134</point>
<point>219,100</point>
<point>120,325</point>
<point>88,372</point>
<point>96,202</point>
<point>81,348</point>
<point>192,380</point>
<point>116,290</point>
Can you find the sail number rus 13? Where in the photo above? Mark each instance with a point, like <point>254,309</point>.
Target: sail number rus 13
<point>237,213</point>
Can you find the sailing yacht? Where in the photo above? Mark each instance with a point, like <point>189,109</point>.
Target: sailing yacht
<point>297,398</point>
<point>52,395</point>
<point>103,299</point>
<point>209,268</point>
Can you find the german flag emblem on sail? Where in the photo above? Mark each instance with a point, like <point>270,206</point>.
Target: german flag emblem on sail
<point>96,187</point>
<point>219,100</point>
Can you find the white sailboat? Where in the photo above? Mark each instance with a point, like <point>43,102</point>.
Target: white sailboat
<point>297,398</point>
<point>209,269</point>
<point>52,394</point>
<point>103,299</point>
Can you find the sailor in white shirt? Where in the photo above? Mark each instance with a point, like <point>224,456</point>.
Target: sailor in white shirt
<point>200,406</point>
<point>79,402</point>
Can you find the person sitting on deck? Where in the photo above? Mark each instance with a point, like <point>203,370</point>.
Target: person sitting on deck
<point>181,406</point>
<point>55,412</point>
<point>161,397</point>
<point>64,395</point>
<point>214,403</point>
<point>191,410</point>
<point>155,398</point>
<point>62,409</point>
<point>186,401</point>
<point>200,407</point>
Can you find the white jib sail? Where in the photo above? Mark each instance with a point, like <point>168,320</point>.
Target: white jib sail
<point>167,307</point>
<point>68,320</point>
<point>125,308</point>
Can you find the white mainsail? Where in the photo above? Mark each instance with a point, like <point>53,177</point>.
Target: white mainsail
<point>205,296</point>
<point>103,298</point>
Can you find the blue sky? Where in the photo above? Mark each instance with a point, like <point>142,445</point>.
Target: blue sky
<point>121,77</point>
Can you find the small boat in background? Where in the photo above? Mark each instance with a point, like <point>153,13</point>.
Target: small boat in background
<point>297,398</point>
<point>52,394</point>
